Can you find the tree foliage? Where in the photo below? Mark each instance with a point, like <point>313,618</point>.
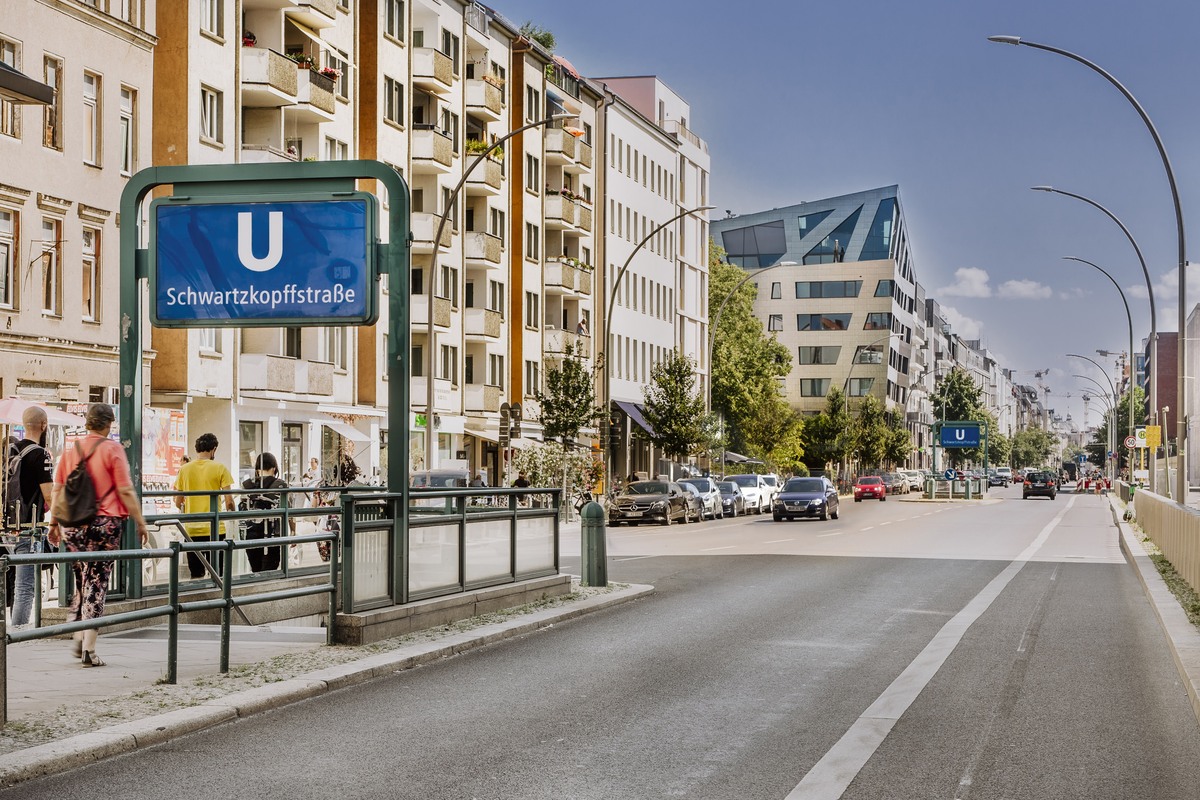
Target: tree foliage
<point>674,408</point>
<point>899,444</point>
<point>1032,447</point>
<point>871,433</point>
<point>568,404</point>
<point>1099,444</point>
<point>538,34</point>
<point>827,436</point>
<point>957,399</point>
<point>544,464</point>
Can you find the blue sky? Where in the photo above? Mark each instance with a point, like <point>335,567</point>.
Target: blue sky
<point>803,100</point>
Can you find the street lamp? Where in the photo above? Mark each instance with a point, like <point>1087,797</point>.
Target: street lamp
<point>451,204</point>
<point>1113,426</point>
<point>1153,380</point>
<point>1129,317</point>
<point>1181,360</point>
<point>612,300</point>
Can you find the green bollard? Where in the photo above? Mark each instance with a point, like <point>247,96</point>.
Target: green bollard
<point>969,482</point>
<point>594,545</point>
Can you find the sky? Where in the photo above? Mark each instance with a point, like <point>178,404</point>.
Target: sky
<point>802,100</point>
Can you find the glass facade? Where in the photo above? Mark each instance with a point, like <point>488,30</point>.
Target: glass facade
<point>755,246</point>
<point>885,288</point>
<point>878,321</point>
<point>808,289</point>
<point>879,239</point>
<point>822,322</point>
<point>818,355</point>
<point>832,248</point>
<point>810,221</point>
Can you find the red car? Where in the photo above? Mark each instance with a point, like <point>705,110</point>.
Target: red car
<point>870,486</point>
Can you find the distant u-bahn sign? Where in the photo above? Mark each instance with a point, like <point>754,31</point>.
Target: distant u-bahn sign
<point>959,434</point>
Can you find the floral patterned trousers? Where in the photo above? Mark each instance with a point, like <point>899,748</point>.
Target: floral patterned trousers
<point>92,577</point>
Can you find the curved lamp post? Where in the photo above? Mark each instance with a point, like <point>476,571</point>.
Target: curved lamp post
<point>1181,361</point>
<point>1130,318</point>
<point>1112,406</point>
<point>451,204</point>
<point>1152,394</point>
<point>608,314</point>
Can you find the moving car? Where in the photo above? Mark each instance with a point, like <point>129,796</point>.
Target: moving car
<point>1006,473</point>
<point>895,483</point>
<point>710,494</point>
<point>733,502</point>
<point>695,503</point>
<point>1040,484</point>
<point>916,479</point>
<point>869,487</point>
<point>758,498</point>
<point>806,497</point>
<point>663,502</point>
<point>773,486</point>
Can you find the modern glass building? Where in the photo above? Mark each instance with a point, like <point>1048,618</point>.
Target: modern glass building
<point>838,289</point>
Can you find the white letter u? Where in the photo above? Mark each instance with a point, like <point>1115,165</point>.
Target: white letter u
<point>960,434</point>
<point>246,241</point>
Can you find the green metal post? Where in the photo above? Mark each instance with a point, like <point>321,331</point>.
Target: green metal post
<point>173,620</point>
<point>227,596</point>
<point>333,594</point>
<point>595,547</point>
<point>3,643</point>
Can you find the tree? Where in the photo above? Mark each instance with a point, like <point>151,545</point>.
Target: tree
<point>1032,447</point>
<point>788,453</point>
<point>569,403</point>
<point>899,444</point>
<point>958,399</point>
<point>828,434</point>
<point>538,34</point>
<point>870,433</point>
<point>673,407</point>
<point>1099,444</point>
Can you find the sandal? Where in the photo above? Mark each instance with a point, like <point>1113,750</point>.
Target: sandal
<point>90,659</point>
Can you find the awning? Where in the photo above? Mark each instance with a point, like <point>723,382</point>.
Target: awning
<point>18,87</point>
<point>482,434</point>
<point>737,458</point>
<point>321,43</point>
<point>634,412</point>
<point>347,431</point>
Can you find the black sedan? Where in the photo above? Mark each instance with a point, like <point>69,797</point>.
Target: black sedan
<point>733,502</point>
<point>806,497</point>
<point>650,501</point>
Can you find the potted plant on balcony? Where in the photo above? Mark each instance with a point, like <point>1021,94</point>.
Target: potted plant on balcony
<point>474,147</point>
<point>330,72</point>
<point>494,80</point>
<point>303,60</point>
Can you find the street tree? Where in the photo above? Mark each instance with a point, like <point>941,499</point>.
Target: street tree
<point>827,435</point>
<point>956,398</point>
<point>1099,444</point>
<point>1032,447</point>
<point>899,445</point>
<point>674,408</point>
<point>568,404</point>
<point>870,433</point>
<point>788,453</point>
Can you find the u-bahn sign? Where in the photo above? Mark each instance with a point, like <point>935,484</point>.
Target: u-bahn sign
<point>960,434</point>
<point>261,261</point>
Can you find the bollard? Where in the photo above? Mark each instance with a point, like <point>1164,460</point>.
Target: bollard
<point>969,482</point>
<point>594,545</point>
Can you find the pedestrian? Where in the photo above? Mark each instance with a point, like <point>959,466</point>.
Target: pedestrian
<point>116,501</point>
<point>522,482</point>
<point>32,476</point>
<point>582,328</point>
<point>480,479</point>
<point>311,479</point>
<point>203,474</point>
<point>266,467</point>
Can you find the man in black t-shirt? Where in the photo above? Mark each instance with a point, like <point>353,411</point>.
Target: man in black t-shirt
<point>36,474</point>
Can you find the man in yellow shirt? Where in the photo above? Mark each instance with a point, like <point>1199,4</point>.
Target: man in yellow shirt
<point>202,474</point>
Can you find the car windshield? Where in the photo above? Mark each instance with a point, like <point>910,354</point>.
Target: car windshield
<point>699,483</point>
<point>727,487</point>
<point>770,479</point>
<point>804,485</point>
<point>745,480</point>
<point>647,487</point>
<point>869,481</point>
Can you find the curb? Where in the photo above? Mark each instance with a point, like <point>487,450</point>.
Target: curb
<point>76,751</point>
<point>1181,635</point>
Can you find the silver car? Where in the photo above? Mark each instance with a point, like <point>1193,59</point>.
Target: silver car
<point>710,496</point>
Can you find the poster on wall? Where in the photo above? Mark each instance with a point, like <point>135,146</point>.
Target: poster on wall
<point>163,448</point>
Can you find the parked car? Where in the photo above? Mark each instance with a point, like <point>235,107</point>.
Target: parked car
<point>895,483</point>
<point>758,498</point>
<point>773,486</point>
<point>1018,477</point>
<point>733,502</point>
<point>806,497</point>
<point>1040,484</point>
<point>695,503</point>
<point>916,479</point>
<point>710,494</point>
<point>869,487</point>
<point>1006,473</point>
<point>430,480</point>
<point>663,502</point>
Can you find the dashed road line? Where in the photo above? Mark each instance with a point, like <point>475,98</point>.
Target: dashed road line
<point>779,541</point>
<point>727,547</point>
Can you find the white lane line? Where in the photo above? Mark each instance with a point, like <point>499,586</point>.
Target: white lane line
<point>633,558</point>
<point>823,535</point>
<point>829,777</point>
<point>927,513</point>
<point>889,522</point>
<point>779,541</point>
<point>869,527</point>
<point>727,547</point>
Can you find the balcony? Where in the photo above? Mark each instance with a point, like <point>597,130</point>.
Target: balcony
<point>314,98</point>
<point>567,275</point>
<point>560,146</point>
<point>268,78</point>
<point>432,70</point>
<point>265,154</point>
<point>484,99</point>
<point>584,154</point>
<point>442,311</point>
<point>486,179</point>
<point>315,14</point>
<point>483,322</point>
<point>480,397</point>
<point>424,228</point>
<point>560,211</point>
<point>556,341</point>
<point>264,372</point>
<point>584,220</point>
<point>482,246</point>
<point>432,150</point>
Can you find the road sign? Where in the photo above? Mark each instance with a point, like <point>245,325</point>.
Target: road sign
<point>960,435</point>
<point>1131,441</point>
<point>1140,435</point>
<point>259,261</point>
<point>948,474</point>
<point>1153,435</point>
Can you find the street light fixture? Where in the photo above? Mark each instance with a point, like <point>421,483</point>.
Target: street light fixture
<point>1153,381</point>
<point>451,205</point>
<point>1113,388</point>
<point>1181,352</point>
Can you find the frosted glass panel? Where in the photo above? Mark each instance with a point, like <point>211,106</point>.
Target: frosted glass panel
<point>488,554</point>
<point>432,557</point>
<point>371,565</point>
<point>535,545</point>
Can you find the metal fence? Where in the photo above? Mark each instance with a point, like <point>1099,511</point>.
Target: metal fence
<point>1174,529</point>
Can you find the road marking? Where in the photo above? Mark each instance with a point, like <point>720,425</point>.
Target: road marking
<point>829,777</point>
<point>927,513</point>
<point>780,541</point>
<point>823,535</point>
<point>889,522</point>
<point>727,547</point>
<point>869,527</point>
<point>632,558</point>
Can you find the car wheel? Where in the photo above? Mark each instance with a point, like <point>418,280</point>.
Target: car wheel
<point>824,514</point>
<point>777,518</point>
<point>667,517</point>
<point>721,514</point>
<point>834,513</point>
<point>858,499</point>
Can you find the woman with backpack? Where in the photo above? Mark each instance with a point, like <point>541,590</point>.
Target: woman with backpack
<point>88,511</point>
<point>267,469</point>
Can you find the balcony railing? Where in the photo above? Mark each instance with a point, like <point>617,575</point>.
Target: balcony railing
<point>481,397</point>
<point>484,99</point>
<point>483,322</point>
<point>482,246</point>
<point>559,208</point>
<point>424,228</point>
<point>560,143</point>
<point>268,78</point>
<point>488,177</point>
<point>432,68</point>
<point>432,146</point>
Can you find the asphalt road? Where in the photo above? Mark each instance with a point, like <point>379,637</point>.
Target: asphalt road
<point>998,650</point>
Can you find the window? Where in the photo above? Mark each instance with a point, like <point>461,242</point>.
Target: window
<point>449,287</point>
<point>52,69</point>
<point>448,363</point>
<point>393,100</point>
<point>807,289</point>
<point>211,114</point>
<point>450,47</point>
<point>814,387</point>
<point>587,133</point>
<point>878,245</point>
<point>10,112</point>
<point>822,322</point>
<point>868,355</point>
<point>208,339</point>
<point>832,249</point>
<point>8,259</point>
<point>776,290</point>
<point>755,246</point>
<point>211,13</point>
<point>128,131</point>
<point>341,63</point>
<point>533,104</point>
<point>533,304</point>
<point>91,119</point>
<point>292,342</point>
<point>878,321</point>
<point>336,150</point>
<point>91,275</point>
<point>418,361</point>
<point>495,370</point>
<point>496,297</point>
<point>51,267</point>
<point>501,76</point>
<point>496,224</point>
<point>818,355</point>
<point>775,322</point>
<point>335,346</point>
<point>250,443</point>
<point>533,168</point>
<point>885,288</point>
<point>394,19</point>
<point>533,378</point>
<point>533,247</point>
<point>448,204</point>
<point>860,387</point>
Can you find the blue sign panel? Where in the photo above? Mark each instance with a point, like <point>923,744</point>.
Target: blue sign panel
<point>269,262</point>
<point>960,436</point>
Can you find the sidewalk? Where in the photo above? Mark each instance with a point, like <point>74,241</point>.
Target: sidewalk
<point>62,715</point>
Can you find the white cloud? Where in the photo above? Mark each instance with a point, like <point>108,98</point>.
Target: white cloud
<point>1024,290</point>
<point>1074,293</point>
<point>968,282</point>
<point>961,324</point>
